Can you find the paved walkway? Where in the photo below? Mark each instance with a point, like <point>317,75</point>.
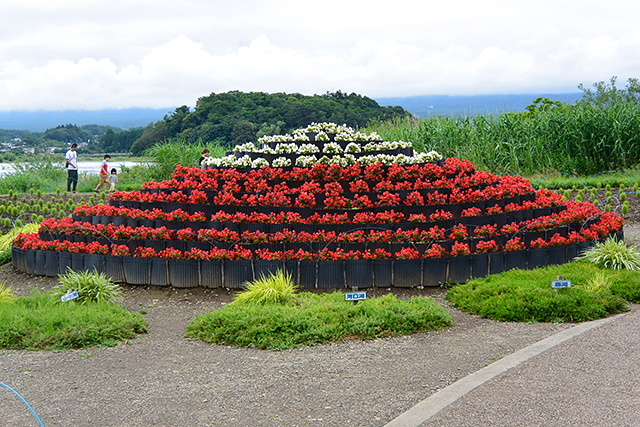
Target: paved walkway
<point>588,375</point>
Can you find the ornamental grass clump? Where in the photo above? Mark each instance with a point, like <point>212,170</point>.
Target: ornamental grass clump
<point>276,288</point>
<point>90,285</point>
<point>613,255</point>
<point>6,293</point>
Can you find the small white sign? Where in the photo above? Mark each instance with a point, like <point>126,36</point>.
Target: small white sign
<point>69,296</point>
<point>355,296</point>
<point>555,284</point>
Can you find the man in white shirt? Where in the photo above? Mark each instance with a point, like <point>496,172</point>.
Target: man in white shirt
<point>72,167</point>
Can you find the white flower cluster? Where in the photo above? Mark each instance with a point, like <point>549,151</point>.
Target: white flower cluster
<point>357,136</point>
<point>281,162</point>
<point>332,148</point>
<point>386,145</point>
<point>310,160</point>
<point>352,147</point>
<point>325,127</point>
<point>274,138</point>
<point>308,149</point>
<point>299,136</point>
<point>290,148</point>
<point>260,163</point>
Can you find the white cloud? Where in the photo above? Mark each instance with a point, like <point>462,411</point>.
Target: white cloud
<point>116,54</point>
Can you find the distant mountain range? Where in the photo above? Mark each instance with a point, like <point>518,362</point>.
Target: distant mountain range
<point>431,105</point>
<point>428,105</point>
<point>38,121</point>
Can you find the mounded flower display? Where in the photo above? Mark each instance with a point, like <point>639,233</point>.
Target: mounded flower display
<point>331,219</point>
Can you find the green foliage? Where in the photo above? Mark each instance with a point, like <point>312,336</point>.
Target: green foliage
<point>613,255</point>
<point>5,256</point>
<point>6,293</point>
<point>7,240</point>
<point>166,155</point>
<point>238,117</point>
<point>277,288</point>
<point>526,295</point>
<point>91,287</point>
<point>584,138</point>
<point>625,208</point>
<point>309,319</point>
<point>40,322</point>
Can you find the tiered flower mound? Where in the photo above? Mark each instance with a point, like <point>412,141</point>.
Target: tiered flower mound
<point>333,225</point>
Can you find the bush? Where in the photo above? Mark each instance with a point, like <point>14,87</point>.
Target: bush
<point>6,293</point>
<point>277,288</point>
<point>91,287</point>
<point>309,319</point>
<point>40,322</point>
<point>524,296</point>
<point>613,255</point>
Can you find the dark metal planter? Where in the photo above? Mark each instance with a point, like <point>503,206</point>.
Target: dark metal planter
<point>479,265</point>
<point>407,273</point>
<point>330,275</point>
<point>381,272</point>
<point>237,273</point>
<point>358,273</point>
<point>515,259</point>
<point>434,271</point>
<point>113,268</point>
<point>459,269</point>
<point>184,273</point>
<point>538,258</point>
<point>557,255</point>
<point>137,270</point>
<point>211,274</point>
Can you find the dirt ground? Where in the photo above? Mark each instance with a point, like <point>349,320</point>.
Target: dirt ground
<point>164,379</point>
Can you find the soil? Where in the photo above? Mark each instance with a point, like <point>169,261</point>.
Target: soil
<point>164,379</point>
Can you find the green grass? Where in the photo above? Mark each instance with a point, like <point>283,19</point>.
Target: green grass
<point>276,288</point>
<point>91,287</point>
<point>613,255</point>
<point>309,319</point>
<point>527,296</point>
<point>42,322</point>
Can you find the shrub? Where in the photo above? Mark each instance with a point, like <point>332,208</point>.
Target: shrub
<point>613,255</point>
<point>526,295</point>
<point>6,293</point>
<point>309,319</point>
<point>91,287</point>
<point>275,289</point>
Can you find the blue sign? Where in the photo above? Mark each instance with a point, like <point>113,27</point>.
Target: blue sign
<point>69,296</point>
<point>560,284</point>
<point>355,296</point>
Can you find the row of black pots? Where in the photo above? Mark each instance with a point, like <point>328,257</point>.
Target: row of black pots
<point>455,208</point>
<point>187,245</point>
<point>470,222</point>
<point>306,274</point>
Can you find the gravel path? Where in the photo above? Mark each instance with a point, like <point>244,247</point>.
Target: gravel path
<point>164,379</point>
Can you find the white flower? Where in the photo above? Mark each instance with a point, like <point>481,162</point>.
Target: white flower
<point>299,136</point>
<point>260,163</point>
<point>267,150</point>
<point>281,162</point>
<point>352,147</point>
<point>332,148</point>
<point>242,162</point>
<point>308,149</point>
<point>248,147</point>
<point>324,160</point>
<point>322,137</point>
<point>434,155</point>
<point>306,161</point>
<point>286,148</point>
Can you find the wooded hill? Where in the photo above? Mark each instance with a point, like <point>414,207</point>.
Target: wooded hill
<point>238,117</point>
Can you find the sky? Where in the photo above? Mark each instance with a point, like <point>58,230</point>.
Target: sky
<point>92,54</point>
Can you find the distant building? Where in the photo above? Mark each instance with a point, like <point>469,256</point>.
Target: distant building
<point>29,150</point>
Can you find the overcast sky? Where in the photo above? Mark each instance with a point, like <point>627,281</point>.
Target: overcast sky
<point>89,54</point>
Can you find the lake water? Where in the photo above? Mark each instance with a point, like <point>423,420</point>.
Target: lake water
<point>90,167</point>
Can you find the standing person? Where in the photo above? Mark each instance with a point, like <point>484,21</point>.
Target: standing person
<point>104,174</point>
<point>205,154</point>
<point>113,180</point>
<point>72,167</point>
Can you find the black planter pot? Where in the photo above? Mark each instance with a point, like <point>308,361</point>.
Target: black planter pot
<point>94,261</point>
<point>307,274</point>
<point>434,271</point>
<point>382,269</point>
<point>266,267</point>
<point>496,262</point>
<point>159,271</point>
<point>113,268</point>
<point>29,261</point>
<point>118,220</point>
<point>211,274</point>
<point>17,258</point>
<point>459,269</point>
<point>583,246</point>
<point>557,255</point>
<point>64,262</point>
<point>77,262</point>
<point>51,263</point>
<point>571,251</point>
<point>237,272</point>
<point>184,273</point>
<point>538,258</point>
<point>407,273</point>
<point>330,274</point>
<point>358,273</point>
<point>515,259</point>
<point>479,265</point>
<point>137,270</point>
<point>40,263</point>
